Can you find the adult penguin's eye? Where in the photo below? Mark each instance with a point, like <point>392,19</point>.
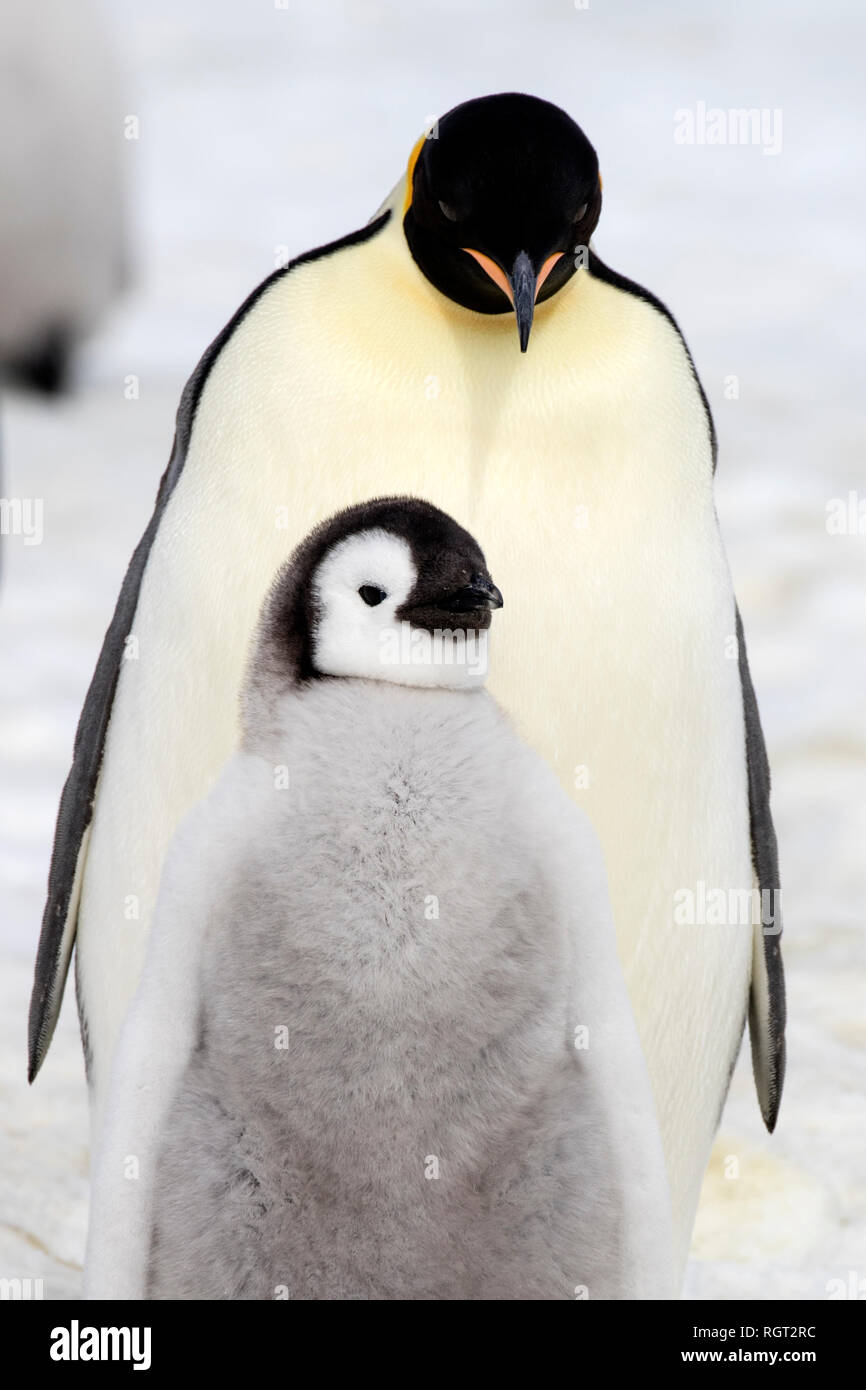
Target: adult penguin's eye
<point>371,594</point>
<point>447,211</point>
<point>581,213</point>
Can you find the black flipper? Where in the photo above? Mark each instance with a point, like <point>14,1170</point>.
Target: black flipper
<point>76,803</point>
<point>767,995</point>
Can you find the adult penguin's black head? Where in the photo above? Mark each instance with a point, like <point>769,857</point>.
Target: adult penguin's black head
<point>500,196</point>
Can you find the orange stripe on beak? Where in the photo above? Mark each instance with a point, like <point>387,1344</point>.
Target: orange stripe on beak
<point>546,269</point>
<point>492,269</point>
<point>499,277</point>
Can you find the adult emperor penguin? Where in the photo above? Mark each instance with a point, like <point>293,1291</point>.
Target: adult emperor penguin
<point>382,1046</point>
<point>586,461</point>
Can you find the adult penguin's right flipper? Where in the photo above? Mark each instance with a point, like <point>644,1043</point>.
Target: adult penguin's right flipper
<point>767,994</point>
<point>60,919</point>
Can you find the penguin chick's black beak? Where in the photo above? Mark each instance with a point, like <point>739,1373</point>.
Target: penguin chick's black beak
<point>522,282</point>
<point>479,593</point>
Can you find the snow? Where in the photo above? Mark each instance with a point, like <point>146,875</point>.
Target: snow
<point>263,128</point>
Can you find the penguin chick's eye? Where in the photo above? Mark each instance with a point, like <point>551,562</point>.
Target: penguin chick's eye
<point>581,213</point>
<point>447,211</point>
<point>372,594</point>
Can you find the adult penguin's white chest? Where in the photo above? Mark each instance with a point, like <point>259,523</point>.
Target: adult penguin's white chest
<point>583,467</point>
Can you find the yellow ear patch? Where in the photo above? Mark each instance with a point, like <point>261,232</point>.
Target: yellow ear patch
<point>410,170</point>
<point>600,184</point>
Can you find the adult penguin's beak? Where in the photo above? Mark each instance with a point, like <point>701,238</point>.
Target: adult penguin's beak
<point>522,282</point>
<point>521,285</point>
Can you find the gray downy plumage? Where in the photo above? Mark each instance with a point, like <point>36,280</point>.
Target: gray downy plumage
<point>398,1057</point>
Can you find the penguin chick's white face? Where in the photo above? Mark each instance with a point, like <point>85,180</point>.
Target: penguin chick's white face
<point>362,590</point>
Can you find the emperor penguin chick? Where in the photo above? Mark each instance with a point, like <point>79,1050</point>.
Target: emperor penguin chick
<point>382,1048</point>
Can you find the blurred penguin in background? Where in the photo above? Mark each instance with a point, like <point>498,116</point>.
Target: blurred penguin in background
<point>62,219</point>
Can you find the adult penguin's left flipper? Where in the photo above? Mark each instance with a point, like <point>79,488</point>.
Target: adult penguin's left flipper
<point>767,995</point>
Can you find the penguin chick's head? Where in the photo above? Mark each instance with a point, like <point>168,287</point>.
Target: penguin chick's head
<point>503,196</point>
<point>390,590</point>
